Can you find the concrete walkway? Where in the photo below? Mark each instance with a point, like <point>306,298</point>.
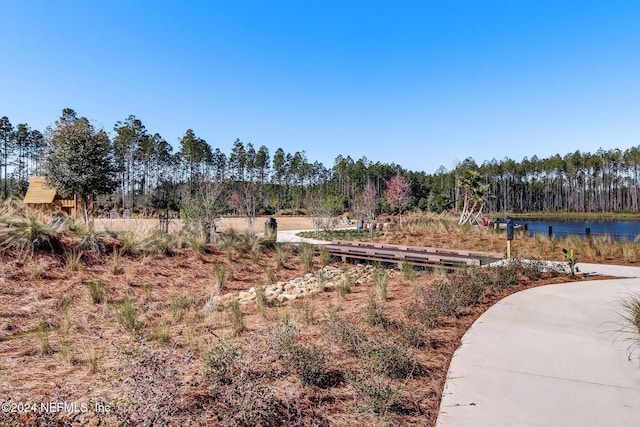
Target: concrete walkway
<point>289,236</point>
<point>549,356</point>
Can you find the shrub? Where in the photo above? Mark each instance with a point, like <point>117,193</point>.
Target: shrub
<point>261,300</point>
<point>325,256</point>
<point>220,274</point>
<point>374,313</point>
<point>572,261</point>
<point>96,291</point>
<point>377,393</point>
<point>346,334</point>
<point>235,315</point>
<point>198,244</point>
<point>149,392</point>
<point>72,260</point>
<point>220,363</point>
<point>91,239</point>
<point>282,254</point>
<point>27,234</point>
<point>306,252</point>
<point>389,360</point>
<point>126,314</point>
<point>380,280</point>
<point>43,336</point>
<point>408,271</point>
<point>309,363</point>
<point>507,274</point>
<point>631,317</point>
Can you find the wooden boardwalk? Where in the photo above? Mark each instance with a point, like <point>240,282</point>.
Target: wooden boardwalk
<point>417,255</point>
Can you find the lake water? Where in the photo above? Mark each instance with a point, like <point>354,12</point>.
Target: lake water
<point>618,230</point>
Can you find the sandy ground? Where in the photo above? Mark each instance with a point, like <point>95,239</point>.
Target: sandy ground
<point>238,223</point>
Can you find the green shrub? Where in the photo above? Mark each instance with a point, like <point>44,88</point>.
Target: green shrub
<point>261,300</point>
<point>220,363</point>
<point>126,314</point>
<point>198,244</point>
<point>346,334</point>
<point>631,317</point>
<point>97,291</point>
<point>380,280</point>
<point>27,234</point>
<point>377,393</point>
<point>408,271</point>
<point>308,363</point>
<point>43,336</point>
<point>325,256</point>
<point>374,313</point>
<point>389,360</point>
<point>91,239</point>
<point>306,253</point>
<point>282,254</point>
<point>236,317</point>
<point>572,261</point>
<point>73,259</point>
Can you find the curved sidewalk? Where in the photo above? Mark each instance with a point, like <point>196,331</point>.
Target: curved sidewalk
<point>548,356</point>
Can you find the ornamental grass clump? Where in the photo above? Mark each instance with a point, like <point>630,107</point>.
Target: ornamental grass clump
<point>381,281</point>
<point>306,252</point>
<point>127,313</point>
<point>235,315</point>
<point>96,291</point>
<point>631,326</point>
<point>27,235</point>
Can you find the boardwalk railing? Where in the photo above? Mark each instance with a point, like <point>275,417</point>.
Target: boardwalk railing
<point>417,255</point>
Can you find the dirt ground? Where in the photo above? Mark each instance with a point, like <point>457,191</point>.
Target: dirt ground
<point>237,223</point>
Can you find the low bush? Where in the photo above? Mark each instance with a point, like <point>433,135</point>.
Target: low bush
<point>91,239</point>
<point>126,313</point>
<point>631,323</point>
<point>308,363</point>
<point>220,363</point>
<point>347,334</point>
<point>389,360</point>
<point>96,291</point>
<point>377,393</point>
<point>306,253</point>
<point>235,315</point>
<point>27,235</point>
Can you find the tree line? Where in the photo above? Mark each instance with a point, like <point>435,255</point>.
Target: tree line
<point>141,170</point>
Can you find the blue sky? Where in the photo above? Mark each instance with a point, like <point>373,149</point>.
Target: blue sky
<point>417,83</point>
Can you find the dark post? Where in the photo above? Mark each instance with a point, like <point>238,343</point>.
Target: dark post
<point>509,229</point>
<point>270,229</point>
<point>550,231</point>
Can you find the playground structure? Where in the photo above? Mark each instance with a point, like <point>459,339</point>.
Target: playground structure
<point>45,202</point>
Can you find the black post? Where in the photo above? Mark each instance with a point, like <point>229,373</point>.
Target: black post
<point>550,231</point>
<point>587,232</point>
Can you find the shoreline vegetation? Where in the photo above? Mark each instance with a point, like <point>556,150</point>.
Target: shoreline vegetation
<point>564,215</point>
